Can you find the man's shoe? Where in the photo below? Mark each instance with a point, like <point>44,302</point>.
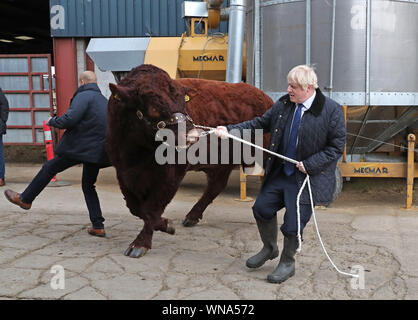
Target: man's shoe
<point>2,182</point>
<point>14,198</point>
<point>96,232</point>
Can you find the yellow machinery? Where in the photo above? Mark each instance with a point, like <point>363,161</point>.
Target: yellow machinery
<point>197,55</point>
<point>194,56</point>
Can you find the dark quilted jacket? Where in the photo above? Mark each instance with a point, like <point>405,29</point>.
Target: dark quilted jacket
<point>4,112</point>
<point>321,141</point>
<point>85,123</point>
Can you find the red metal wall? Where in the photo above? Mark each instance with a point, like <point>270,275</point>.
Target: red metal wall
<point>65,61</point>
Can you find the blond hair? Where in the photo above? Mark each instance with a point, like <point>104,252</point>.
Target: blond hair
<point>304,76</point>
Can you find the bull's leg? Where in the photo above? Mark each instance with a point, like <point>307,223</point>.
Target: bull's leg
<point>150,210</point>
<point>142,243</point>
<point>165,225</point>
<point>217,180</point>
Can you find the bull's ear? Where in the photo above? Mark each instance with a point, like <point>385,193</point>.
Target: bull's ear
<point>118,92</point>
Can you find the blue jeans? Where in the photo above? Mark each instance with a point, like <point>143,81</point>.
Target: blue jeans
<point>89,178</point>
<point>2,167</point>
<point>281,191</point>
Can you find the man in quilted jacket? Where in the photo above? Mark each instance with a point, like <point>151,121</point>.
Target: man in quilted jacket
<point>310,128</point>
<point>84,141</point>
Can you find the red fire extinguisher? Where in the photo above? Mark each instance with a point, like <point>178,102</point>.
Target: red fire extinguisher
<point>48,144</point>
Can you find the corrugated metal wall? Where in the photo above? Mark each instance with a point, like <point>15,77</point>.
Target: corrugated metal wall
<point>119,18</point>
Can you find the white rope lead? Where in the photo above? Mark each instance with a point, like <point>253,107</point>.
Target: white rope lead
<point>305,182</point>
<point>319,236</point>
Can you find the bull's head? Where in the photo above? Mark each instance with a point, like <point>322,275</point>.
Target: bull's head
<point>156,101</point>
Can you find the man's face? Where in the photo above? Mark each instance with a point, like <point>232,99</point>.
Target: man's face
<point>297,93</point>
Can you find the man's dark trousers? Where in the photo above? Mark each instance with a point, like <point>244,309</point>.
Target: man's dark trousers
<point>89,178</point>
<point>281,191</point>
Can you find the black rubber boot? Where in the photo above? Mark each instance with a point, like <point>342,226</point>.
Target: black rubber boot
<point>286,267</point>
<point>268,234</point>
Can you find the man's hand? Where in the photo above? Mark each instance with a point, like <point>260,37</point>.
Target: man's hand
<point>221,132</point>
<point>300,166</point>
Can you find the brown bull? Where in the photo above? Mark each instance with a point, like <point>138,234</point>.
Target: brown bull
<point>148,99</point>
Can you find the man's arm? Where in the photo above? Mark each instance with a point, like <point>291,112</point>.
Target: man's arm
<point>4,107</point>
<point>262,122</point>
<point>73,115</point>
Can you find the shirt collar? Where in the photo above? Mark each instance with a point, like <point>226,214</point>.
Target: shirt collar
<point>308,103</point>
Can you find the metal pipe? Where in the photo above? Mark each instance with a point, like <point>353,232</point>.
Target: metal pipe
<point>308,32</point>
<point>257,58</point>
<point>373,157</point>
<point>214,12</point>
<point>214,4</point>
<point>368,40</point>
<point>224,14</point>
<point>331,63</point>
<point>236,28</point>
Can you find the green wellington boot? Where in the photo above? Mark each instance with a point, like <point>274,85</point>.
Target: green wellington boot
<point>286,267</point>
<point>268,234</point>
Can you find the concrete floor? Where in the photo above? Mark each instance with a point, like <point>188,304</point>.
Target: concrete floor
<point>364,232</point>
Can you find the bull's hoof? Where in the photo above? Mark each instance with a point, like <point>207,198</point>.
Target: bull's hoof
<point>170,227</point>
<point>135,252</point>
<point>189,222</point>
